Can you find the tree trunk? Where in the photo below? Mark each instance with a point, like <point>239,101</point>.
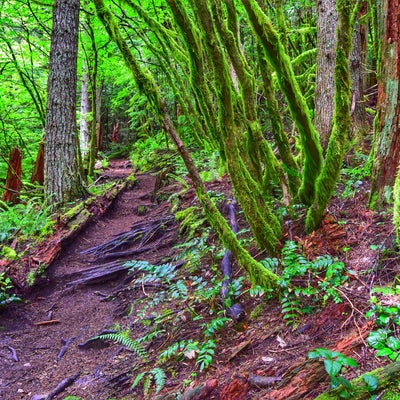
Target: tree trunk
<point>86,108</point>
<point>63,180</point>
<point>324,83</point>
<point>329,176</point>
<point>360,125</point>
<point>387,138</point>
<point>14,175</point>
<point>38,167</point>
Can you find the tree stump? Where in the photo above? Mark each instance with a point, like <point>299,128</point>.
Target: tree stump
<point>14,174</point>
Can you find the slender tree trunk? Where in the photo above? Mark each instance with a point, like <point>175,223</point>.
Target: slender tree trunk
<point>386,135</point>
<point>324,83</point>
<point>86,109</point>
<point>63,180</point>
<point>360,125</point>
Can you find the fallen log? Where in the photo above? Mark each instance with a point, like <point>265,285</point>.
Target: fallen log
<point>68,226</point>
<point>387,376</point>
<point>304,377</point>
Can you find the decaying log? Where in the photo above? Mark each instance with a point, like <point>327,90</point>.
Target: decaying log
<point>388,376</point>
<point>14,175</point>
<point>237,389</point>
<point>305,377</point>
<point>200,392</point>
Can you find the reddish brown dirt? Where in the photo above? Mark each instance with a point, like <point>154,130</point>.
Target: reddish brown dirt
<point>263,345</point>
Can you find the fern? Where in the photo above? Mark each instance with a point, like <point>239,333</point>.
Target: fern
<point>215,325</point>
<point>124,339</point>
<point>303,280</point>
<point>178,290</point>
<point>206,354</point>
<point>192,219</point>
<point>156,375</point>
<point>175,350</point>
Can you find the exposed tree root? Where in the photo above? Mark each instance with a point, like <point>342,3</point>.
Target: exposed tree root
<point>142,233</point>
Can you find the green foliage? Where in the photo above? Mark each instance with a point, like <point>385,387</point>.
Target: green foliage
<point>206,354</point>
<point>30,219</point>
<point>155,377</point>
<point>334,362</point>
<point>352,176</point>
<point>6,287</point>
<point>192,220</point>
<point>215,325</point>
<point>306,284</point>
<point>124,339</point>
<point>386,312</point>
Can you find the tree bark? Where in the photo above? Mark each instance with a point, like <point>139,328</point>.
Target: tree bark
<point>86,108</point>
<point>14,176</point>
<point>387,139</point>
<point>324,82</point>
<point>63,181</point>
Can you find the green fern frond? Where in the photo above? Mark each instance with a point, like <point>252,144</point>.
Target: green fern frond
<point>125,340</point>
<point>159,378</point>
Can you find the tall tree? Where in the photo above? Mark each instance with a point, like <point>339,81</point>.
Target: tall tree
<point>63,180</point>
<point>386,136</point>
<point>324,83</point>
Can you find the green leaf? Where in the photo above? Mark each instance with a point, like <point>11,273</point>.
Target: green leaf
<point>371,381</point>
<point>384,352</point>
<point>332,367</point>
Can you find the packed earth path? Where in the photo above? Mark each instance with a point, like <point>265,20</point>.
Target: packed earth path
<point>40,338</point>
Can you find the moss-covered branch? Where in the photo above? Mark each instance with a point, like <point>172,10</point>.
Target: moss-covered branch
<point>277,57</point>
<point>257,273</point>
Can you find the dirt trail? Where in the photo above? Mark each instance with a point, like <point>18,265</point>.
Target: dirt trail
<point>30,362</point>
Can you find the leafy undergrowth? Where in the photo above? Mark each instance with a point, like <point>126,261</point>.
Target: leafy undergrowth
<point>172,331</point>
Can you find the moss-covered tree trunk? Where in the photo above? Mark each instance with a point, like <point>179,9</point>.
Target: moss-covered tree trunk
<point>264,224</point>
<point>386,148</point>
<point>280,62</point>
<point>341,118</point>
<point>257,273</point>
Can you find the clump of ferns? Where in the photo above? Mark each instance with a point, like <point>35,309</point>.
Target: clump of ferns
<point>306,284</point>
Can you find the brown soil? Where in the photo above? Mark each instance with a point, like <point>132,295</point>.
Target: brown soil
<point>263,344</point>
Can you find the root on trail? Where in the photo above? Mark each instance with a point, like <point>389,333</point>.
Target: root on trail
<point>142,234</point>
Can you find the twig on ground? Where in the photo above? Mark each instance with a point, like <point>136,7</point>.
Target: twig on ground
<point>14,353</point>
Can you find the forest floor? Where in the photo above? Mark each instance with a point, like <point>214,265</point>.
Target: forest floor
<point>44,340</point>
